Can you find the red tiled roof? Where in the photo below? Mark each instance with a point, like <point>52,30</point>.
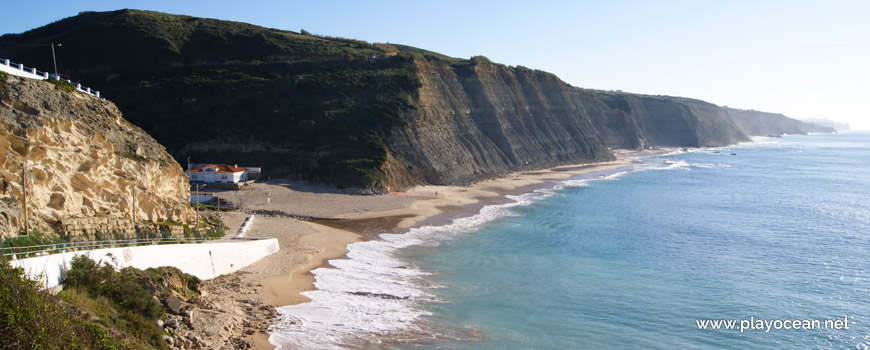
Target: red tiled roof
<point>219,168</point>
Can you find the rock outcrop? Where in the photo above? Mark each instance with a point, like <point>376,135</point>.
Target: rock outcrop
<point>79,158</point>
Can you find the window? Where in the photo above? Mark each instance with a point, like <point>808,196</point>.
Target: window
<point>224,177</point>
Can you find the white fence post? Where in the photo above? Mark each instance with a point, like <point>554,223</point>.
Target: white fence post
<point>33,73</point>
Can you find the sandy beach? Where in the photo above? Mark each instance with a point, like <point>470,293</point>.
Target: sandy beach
<point>314,224</point>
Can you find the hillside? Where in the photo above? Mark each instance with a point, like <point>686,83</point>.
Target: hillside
<point>352,113</point>
<point>830,123</point>
<point>81,160</point>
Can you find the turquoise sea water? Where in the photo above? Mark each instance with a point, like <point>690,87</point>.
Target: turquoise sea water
<point>778,231</point>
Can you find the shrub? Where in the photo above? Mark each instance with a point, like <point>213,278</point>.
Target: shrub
<point>63,85</point>
<point>130,291</point>
<point>32,319</point>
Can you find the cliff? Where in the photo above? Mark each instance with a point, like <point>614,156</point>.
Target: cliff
<point>482,120</point>
<point>351,113</point>
<point>763,123</point>
<point>80,159</point>
<point>839,126</point>
<point>477,120</point>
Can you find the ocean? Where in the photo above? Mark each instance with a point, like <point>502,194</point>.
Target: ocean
<point>676,251</point>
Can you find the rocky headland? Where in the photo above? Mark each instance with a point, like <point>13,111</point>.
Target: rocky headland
<point>83,165</point>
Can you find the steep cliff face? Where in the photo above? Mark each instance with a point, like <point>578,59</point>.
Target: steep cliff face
<point>80,159</point>
<point>763,123</point>
<point>352,113</point>
<point>640,121</point>
<point>477,121</point>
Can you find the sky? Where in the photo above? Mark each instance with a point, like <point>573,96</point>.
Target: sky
<point>805,59</point>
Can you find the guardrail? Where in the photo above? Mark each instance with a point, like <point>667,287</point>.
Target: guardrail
<point>14,253</point>
<point>32,73</point>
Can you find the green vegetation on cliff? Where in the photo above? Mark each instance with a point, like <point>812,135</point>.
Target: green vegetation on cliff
<point>33,319</point>
<point>352,113</point>
<point>99,307</point>
<point>229,92</point>
<point>122,300</point>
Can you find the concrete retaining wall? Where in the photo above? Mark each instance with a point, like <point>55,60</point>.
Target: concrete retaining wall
<point>203,260</point>
<point>115,228</point>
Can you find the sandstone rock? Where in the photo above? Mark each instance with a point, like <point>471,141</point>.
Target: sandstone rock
<point>82,159</point>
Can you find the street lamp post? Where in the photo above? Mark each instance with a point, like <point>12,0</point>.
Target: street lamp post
<point>54,60</point>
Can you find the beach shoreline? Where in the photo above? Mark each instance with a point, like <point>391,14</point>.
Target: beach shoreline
<point>278,280</point>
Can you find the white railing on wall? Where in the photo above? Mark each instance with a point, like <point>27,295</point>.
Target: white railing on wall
<point>20,70</point>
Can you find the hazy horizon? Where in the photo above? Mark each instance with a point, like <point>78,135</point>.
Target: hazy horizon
<point>803,59</point>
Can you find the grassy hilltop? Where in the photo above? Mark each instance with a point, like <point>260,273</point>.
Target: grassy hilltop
<point>221,91</point>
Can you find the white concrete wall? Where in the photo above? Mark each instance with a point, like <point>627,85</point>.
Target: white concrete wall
<point>201,198</point>
<point>20,70</point>
<point>203,260</point>
<point>209,177</point>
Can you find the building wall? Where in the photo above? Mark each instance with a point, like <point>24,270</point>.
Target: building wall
<point>203,260</point>
<point>217,177</point>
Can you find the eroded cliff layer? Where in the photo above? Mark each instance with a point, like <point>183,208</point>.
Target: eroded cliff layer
<point>80,158</point>
<point>478,120</point>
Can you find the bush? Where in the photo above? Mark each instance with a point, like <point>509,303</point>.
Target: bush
<point>62,85</point>
<point>130,292</point>
<point>32,319</point>
<point>127,288</point>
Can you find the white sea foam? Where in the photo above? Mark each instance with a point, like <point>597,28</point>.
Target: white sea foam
<point>373,295</point>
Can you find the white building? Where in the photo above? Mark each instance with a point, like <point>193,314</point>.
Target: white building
<point>217,173</point>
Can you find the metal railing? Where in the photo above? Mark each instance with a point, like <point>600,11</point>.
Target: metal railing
<point>55,248</point>
<point>36,74</point>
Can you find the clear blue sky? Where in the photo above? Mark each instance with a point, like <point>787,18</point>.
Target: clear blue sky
<point>806,59</point>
